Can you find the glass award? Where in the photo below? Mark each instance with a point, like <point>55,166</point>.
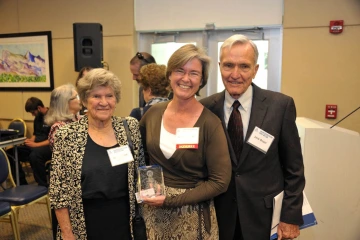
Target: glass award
<point>150,181</point>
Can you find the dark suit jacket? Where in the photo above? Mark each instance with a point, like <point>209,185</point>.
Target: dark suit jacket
<point>136,112</point>
<point>258,177</point>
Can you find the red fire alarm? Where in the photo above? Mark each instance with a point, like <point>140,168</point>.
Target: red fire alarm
<point>331,111</point>
<point>336,26</point>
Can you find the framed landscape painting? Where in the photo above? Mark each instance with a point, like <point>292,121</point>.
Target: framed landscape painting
<point>26,62</point>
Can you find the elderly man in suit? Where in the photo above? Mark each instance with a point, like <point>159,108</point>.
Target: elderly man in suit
<point>260,170</point>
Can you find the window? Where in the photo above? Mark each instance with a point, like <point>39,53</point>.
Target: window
<point>163,51</point>
<point>269,42</point>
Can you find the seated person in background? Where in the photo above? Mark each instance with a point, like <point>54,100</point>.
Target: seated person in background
<point>155,87</point>
<point>36,149</point>
<point>64,108</point>
<point>83,71</point>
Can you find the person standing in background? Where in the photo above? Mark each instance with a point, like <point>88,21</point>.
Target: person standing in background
<point>245,211</point>
<point>139,60</point>
<point>83,71</point>
<point>155,86</point>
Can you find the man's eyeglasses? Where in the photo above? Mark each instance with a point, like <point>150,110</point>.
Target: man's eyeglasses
<point>141,57</point>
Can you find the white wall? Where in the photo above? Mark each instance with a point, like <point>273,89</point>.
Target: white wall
<point>168,15</point>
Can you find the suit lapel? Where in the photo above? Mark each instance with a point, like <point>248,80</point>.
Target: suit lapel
<point>258,112</point>
<point>218,106</point>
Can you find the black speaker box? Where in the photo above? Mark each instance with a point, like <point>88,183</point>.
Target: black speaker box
<point>88,45</point>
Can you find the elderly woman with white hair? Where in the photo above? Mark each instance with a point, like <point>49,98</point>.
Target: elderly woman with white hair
<point>91,190</point>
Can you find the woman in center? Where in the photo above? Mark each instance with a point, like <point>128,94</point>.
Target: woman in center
<point>193,175</point>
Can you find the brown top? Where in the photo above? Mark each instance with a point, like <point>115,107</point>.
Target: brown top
<point>207,170</point>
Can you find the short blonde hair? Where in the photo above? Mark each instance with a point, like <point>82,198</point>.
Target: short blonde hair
<point>183,55</point>
<point>95,78</point>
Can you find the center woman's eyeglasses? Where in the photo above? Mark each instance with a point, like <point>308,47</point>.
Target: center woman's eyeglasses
<point>141,57</point>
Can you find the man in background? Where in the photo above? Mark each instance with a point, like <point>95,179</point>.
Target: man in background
<point>36,149</point>
<point>139,60</point>
<point>259,173</point>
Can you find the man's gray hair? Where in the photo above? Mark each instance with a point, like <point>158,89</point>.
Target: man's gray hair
<point>239,39</point>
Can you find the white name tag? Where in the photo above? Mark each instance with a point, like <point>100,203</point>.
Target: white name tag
<point>187,138</point>
<point>260,140</point>
<point>120,155</point>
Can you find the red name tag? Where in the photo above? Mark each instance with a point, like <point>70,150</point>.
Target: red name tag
<point>187,146</point>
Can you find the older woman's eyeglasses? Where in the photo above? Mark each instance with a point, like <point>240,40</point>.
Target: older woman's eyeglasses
<point>141,57</point>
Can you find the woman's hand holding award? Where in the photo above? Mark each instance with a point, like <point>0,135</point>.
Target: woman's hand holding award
<point>151,185</point>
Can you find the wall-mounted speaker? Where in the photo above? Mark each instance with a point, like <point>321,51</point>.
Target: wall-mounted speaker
<point>88,45</point>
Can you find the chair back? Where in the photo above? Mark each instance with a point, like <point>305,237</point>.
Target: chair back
<point>4,209</point>
<point>18,124</point>
<point>5,172</point>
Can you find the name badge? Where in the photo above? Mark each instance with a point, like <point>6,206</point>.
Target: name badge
<point>187,138</point>
<point>120,155</point>
<point>260,140</point>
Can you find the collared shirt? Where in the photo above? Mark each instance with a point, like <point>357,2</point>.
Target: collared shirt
<point>245,108</point>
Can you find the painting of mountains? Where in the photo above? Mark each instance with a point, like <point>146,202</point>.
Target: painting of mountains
<point>16,67</point>
<point>25,61</point>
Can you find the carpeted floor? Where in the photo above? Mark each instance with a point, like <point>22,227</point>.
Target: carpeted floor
<point>34,221</point>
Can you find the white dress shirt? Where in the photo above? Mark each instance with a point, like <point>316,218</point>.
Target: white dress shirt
<point>245,108</point>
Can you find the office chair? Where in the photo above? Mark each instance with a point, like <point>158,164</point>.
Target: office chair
<point>5,211</point>
<point>20,196</point>
<point>47,169</point>
<point>18,124</point>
